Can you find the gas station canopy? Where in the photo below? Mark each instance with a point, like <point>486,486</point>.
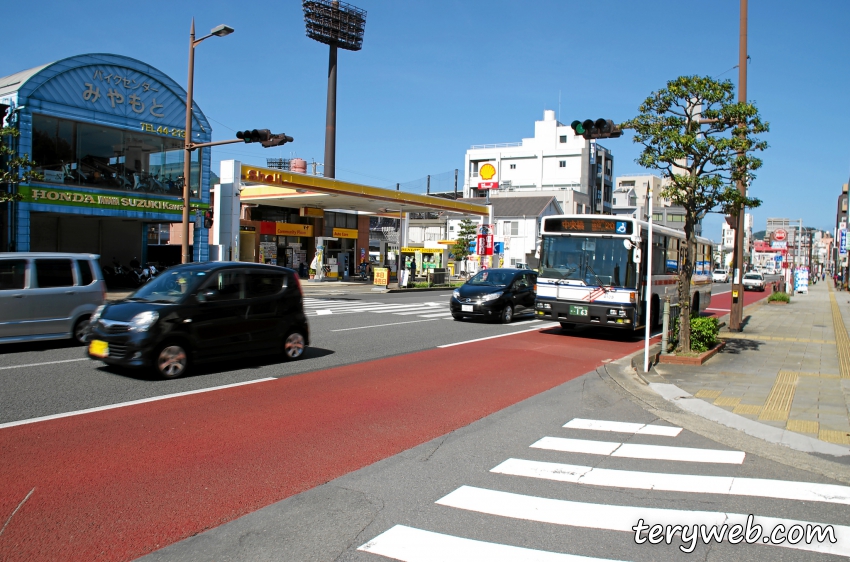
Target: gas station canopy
<point>288,189</point>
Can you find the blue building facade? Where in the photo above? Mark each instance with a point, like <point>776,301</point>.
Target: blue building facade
<point>107,133</point>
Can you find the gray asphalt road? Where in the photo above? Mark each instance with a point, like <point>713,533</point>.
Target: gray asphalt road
<point>49,378</point>
<point>446,500</point>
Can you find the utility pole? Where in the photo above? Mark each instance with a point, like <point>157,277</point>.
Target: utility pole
<point>736,314</point>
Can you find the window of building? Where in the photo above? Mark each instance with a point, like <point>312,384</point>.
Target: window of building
<point>563,138</point>
<point>615,200</point>
<point>562,164</point>
<point>658,217</point>
<point>74,153</point>
<point>510,228</point>
<point>675,218</point>
<point>513,166</point>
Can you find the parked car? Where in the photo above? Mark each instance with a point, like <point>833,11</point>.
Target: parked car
<point>498,294</point>
<point>48,296</point>
<point>202,312</point>
<point>720,276</point>
<point>753,281</point>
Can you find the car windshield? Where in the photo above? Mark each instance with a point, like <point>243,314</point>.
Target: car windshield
<point>169,286</point>
<point>752,276</point>
<point>719,272</point>
<point>491,278</point>
<point>593,260</point>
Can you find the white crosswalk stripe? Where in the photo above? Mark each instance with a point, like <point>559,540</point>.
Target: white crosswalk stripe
<point>411,544</point>
<point>331,307</point>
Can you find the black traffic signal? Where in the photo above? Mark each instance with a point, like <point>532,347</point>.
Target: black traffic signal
<point>599,129</point>
<point>277,140</point>
<point>254,135</point>
<point>208,218</point>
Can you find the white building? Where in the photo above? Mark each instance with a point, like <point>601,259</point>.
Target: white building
<point>553,163</point>
<point>727,237</point>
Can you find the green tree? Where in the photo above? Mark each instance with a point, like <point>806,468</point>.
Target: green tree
<point>465,236</point>
<point>703,142</point>
<point>15,169</point>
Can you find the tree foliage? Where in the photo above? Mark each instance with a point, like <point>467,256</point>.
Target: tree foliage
<point>15,169</point>
<point>702,142</point>
<point>465,235</point>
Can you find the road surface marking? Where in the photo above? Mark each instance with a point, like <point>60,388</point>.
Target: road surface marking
<point>421,305</point>
<point>621,517</point>
<point>382,325</point>
<point>551,324</point>
<point>45,363</point>
<point>718,309</point>
<point>415,545</point>
<point>691,483</point>
<point>623,427</point>
<point>636,451</point>
<point>131,403</point>
<point>323,312</point>
<point>439,314</point>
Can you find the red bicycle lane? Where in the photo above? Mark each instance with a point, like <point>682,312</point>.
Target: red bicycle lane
<point>117,484</point>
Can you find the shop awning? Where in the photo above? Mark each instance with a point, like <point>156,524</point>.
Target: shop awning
<point>279,188</point>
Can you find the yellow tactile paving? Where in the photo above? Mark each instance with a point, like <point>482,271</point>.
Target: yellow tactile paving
<point>705,393</point>
<point>802,426</point>
<point>727,401</point>
<point>842,339</point>
<point>749,409</point>
<point>833,436</point>
<point>778,403</point>
<point>817,375</point>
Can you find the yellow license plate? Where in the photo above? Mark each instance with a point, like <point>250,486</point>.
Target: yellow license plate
<point>99,348</point>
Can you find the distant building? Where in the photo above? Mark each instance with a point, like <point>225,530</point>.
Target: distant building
<point>630,199</point>
<point>553,163</point>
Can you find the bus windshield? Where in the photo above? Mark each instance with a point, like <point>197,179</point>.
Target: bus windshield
<point>589,259</point>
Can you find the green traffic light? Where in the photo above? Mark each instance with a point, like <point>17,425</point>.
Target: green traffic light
<point>577,127</point>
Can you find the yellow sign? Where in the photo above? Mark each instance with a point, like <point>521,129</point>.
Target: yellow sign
<point>487,171</point>
<point>345,233</point>
<point>312,212</point>
<point>287,229</point>
<point>411,250</point>
<point>381,276</point>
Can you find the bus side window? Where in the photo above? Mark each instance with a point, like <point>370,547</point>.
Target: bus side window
<point>672,264</point>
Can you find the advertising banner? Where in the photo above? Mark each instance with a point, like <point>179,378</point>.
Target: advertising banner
<point>801,280</point>
<point>842,241</point>
<point>382,276</point>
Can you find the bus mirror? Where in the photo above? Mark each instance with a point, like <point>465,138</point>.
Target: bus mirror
<point>537,250</point>
<point>636,255</point>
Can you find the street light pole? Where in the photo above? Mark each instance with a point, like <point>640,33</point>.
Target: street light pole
<point>218,31</point>
<point>736,314</point>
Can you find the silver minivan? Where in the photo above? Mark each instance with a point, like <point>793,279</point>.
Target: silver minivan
<point>48,296</point>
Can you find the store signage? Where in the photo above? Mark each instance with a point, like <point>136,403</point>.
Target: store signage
<point>779,245</point>
<point>381,276</point>
<point>287,229</point>
<point>160,130</point>
<point>114,201</point>
<point>842,241</point>
<point>780,235</point>
<point>484,246</point>
<point>487,172</point>
<point>312,212</point>
<point>488,185</point>
<point>409,250</point>
<point>122,89</point>
<point>345,233</point>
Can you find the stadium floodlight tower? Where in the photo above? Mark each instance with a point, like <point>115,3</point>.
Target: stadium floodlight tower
<point>339,25</point>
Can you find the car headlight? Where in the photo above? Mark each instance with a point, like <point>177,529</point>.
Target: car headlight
<point>143,321</point>
<point>97,313</point>
<point>491,296</point>
<point>456,294</point>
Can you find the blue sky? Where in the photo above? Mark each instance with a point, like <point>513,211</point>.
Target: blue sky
<point>435,77</point>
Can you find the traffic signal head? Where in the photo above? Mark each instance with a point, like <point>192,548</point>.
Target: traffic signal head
<point>599,129</point>
<point>208,219</point>
<point>254,135</point>
<point>578,128</point>
<point>277,140</point>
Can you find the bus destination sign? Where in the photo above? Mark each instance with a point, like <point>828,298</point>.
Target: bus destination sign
<point>595,226</point>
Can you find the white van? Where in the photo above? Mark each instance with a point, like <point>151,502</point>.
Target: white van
<point>48,296</point>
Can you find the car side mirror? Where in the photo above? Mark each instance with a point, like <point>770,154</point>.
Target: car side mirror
<point>636,255</point>
<point>207,295</point>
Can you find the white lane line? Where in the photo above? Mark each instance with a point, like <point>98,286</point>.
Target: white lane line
<point>536,328</point>
<point>692,483</point>
<point>437,315</point>
<point>45,363</point>
<point>723,293</point>
<point>323,312</point>
<point>623,427</point>
<point>415,545</point>
<point>131,403</point>
<point>636,451</point>
<point>718,309</point>
<point>622,517</point>
<point>382,325</point>
<point>422,310</point>
<point>420,305</point>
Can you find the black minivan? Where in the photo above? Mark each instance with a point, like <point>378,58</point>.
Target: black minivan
<point>498,294</point>
<point>202,312</point>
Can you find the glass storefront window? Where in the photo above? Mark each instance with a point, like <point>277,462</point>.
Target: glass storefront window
<point>73,153</point>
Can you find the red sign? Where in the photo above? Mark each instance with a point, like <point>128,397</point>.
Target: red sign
<point>484,245</point>
<point>488,185</point>
<point>779,235</point>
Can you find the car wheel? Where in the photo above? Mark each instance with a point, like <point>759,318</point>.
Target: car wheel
<point>80,331</point>
<point>507,315</point>
<point>457,316</point>
<point>171,360</point>
<point>294,345</point>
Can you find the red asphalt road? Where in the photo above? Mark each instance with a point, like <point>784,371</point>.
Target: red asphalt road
<point>121,483</point>
<point>118,484</point>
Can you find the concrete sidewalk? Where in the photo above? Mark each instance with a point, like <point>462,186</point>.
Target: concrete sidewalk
<point>789,369</point>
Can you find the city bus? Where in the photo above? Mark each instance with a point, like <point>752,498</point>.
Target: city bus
<point>592,271</point>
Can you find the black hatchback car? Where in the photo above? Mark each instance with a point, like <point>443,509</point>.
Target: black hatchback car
<point>498,294</point>
<point>202,312</point>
